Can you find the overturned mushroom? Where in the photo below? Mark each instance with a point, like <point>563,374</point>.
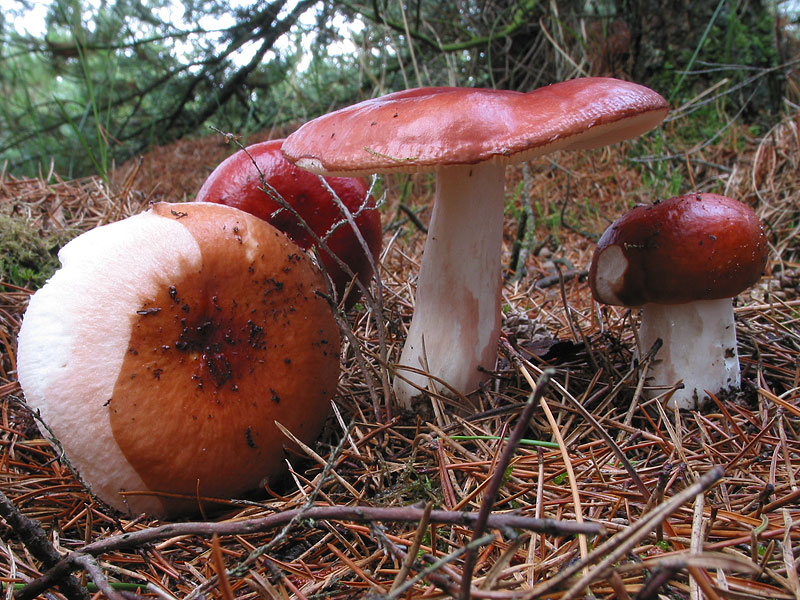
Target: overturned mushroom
<point>683,260</point>
<point>237,181</point>
<point>467,136</point>
<point>165,348</point>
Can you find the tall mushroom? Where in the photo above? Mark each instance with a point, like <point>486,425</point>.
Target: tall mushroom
<point>682,260</point>
<point>163,351</point>
<point>467,136</point>
<point>237,181</point>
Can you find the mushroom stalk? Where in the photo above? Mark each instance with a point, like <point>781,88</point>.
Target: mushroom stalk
<point>699,347</point>
<point>456,320</point>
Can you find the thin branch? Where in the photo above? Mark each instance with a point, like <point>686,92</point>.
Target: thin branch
<point>519,19</point>
<point>33,536</point>
<point>363,514</point>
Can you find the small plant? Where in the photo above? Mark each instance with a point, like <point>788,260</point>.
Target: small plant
<point>28,257</point>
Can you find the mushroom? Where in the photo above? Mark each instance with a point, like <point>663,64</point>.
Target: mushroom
<point>467,136</point>
<point>683,260</point>
<point>163,351</point>
<point>237,181</point>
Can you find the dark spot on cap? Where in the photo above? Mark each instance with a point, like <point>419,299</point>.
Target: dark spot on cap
<point>248,434</point>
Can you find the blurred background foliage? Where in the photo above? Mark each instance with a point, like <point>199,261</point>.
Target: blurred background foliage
<point>90,83</point>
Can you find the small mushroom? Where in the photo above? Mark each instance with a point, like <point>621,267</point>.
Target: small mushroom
<point>683,260</point>
<point>467,136</point>
<point>163,351</point>
<point>237,182</point>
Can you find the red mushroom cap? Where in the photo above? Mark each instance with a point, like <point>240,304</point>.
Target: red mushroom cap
<point>687,248</point>
<point>163,351</point>
<point>236,182</point>
<point>424,128</point>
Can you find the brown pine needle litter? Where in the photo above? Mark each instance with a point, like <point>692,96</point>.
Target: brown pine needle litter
<point>700,504</point>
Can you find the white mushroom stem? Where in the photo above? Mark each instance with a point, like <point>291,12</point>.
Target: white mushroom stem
<point>456,320</point>
<point>699,347</point>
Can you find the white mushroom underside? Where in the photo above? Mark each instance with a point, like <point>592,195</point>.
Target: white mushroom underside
<point>699,347</point>
<point>74,338</point>
<point>611,266</point>
<point>456,320</point>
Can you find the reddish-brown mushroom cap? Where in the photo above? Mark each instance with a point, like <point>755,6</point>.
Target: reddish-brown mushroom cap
<point>687,248</point>
<point>166,347</point>
<point>237,182</point>
<point>425,128</point>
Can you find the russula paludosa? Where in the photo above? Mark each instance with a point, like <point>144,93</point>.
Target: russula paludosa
<point>167,345</point>
<point>237,182</point>
<point>467,136</point>
<point>683,260</point>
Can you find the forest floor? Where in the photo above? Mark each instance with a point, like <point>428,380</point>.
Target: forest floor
<point>690,502</point>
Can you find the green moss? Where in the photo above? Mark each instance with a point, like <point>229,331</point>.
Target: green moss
<point>28,256</point>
